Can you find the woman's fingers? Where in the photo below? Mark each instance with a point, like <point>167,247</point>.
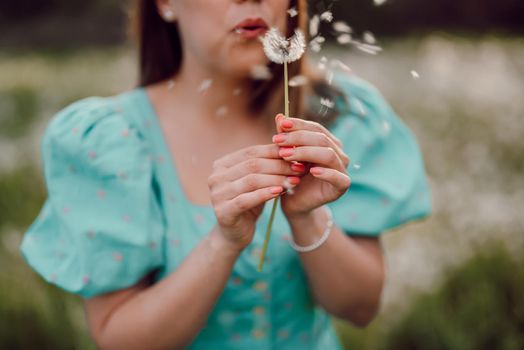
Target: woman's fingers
<point>255,166</point>
<point>310,138</point>
<point>256,151</point>
<point>339,180</point>
<point>291,125</point>
<point>248,200</point>
<point>325,156</point>
<point>250,183</point>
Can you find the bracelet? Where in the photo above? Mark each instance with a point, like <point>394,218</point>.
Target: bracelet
<point>322,239</point>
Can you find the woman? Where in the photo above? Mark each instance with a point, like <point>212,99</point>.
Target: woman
<point>165,255</point>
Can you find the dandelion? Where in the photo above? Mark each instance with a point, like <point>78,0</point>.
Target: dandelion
<point>281,50</point>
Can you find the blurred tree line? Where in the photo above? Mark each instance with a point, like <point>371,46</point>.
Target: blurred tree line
<point>69,22</point>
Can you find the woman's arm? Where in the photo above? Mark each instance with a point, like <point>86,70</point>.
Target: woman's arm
<point>170,313</point>
<point>346,274</point>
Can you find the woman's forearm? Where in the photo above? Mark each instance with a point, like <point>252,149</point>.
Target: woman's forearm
<point>170,313</point>
<point>345,279</point>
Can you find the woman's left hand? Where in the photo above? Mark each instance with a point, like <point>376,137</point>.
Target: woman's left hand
<point>315,147</point>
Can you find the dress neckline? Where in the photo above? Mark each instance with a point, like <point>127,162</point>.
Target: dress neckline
<point>161,143</point>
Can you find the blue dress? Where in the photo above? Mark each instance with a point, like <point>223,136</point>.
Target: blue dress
<point>116,210</point>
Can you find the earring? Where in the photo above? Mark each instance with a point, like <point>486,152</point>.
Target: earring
<point>169,15</point>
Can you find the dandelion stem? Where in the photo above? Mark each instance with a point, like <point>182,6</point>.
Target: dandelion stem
<point>275,201</point>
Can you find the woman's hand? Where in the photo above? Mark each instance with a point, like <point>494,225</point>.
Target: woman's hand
<point>315,147</point>
<point>241,183</point>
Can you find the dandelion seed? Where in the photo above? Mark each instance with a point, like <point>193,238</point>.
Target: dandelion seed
<point>360,107</point>
<point>237,91</point>
<point>281,50</point>
<point>369,38</point>
<point>292,12</point>
<point>322,63</point>
<point>342,27</point>
<point>327,102</point>
<point>415,74</point>
<point>326,16</point>
<point>344,39</point>
<point>329,77</point>
<point>386,127</point>
<point>205,85</point>
<point>356,166</point>
<point>379,2</point>
<point>313,25</point>
<point>367,48</point>
<point>221,111</point>
<point>260,72</point>
<point>339,64</point>
<point>288,186</point>
<point>298,80</point>
<point>316,43</point>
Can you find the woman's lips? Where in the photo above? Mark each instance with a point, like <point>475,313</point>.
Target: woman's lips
<point>248,33</point>
<point>251,28</point>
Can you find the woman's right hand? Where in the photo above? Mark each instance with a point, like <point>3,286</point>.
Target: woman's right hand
<point>241,183</point>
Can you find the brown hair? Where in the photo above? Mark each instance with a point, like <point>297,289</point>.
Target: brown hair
<point>160,57</point>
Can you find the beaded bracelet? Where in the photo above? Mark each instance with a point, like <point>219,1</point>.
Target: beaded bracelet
<point>322,239</point>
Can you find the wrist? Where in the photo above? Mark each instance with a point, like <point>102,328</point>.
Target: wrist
<point>222,245</point>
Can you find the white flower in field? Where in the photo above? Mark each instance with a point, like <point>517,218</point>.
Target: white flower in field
<point>279,49</point>
<point>292,12</point>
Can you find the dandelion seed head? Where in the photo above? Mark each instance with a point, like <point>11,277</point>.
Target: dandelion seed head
<point>279,49</point>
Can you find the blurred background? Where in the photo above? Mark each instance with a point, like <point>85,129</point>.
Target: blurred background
<point>453,70</point>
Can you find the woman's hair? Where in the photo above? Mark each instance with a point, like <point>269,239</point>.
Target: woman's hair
<point>160,57</point>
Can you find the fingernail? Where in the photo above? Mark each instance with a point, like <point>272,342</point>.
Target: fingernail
<point>287,124</point>
<point>294,180</point>
<point>279,138</point>
<point>317,171</point>
<point>298,167</point>
<point>286,152</point>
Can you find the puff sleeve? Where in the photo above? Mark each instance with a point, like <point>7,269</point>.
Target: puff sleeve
<point>389,186</point>
<point>101,227</point>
